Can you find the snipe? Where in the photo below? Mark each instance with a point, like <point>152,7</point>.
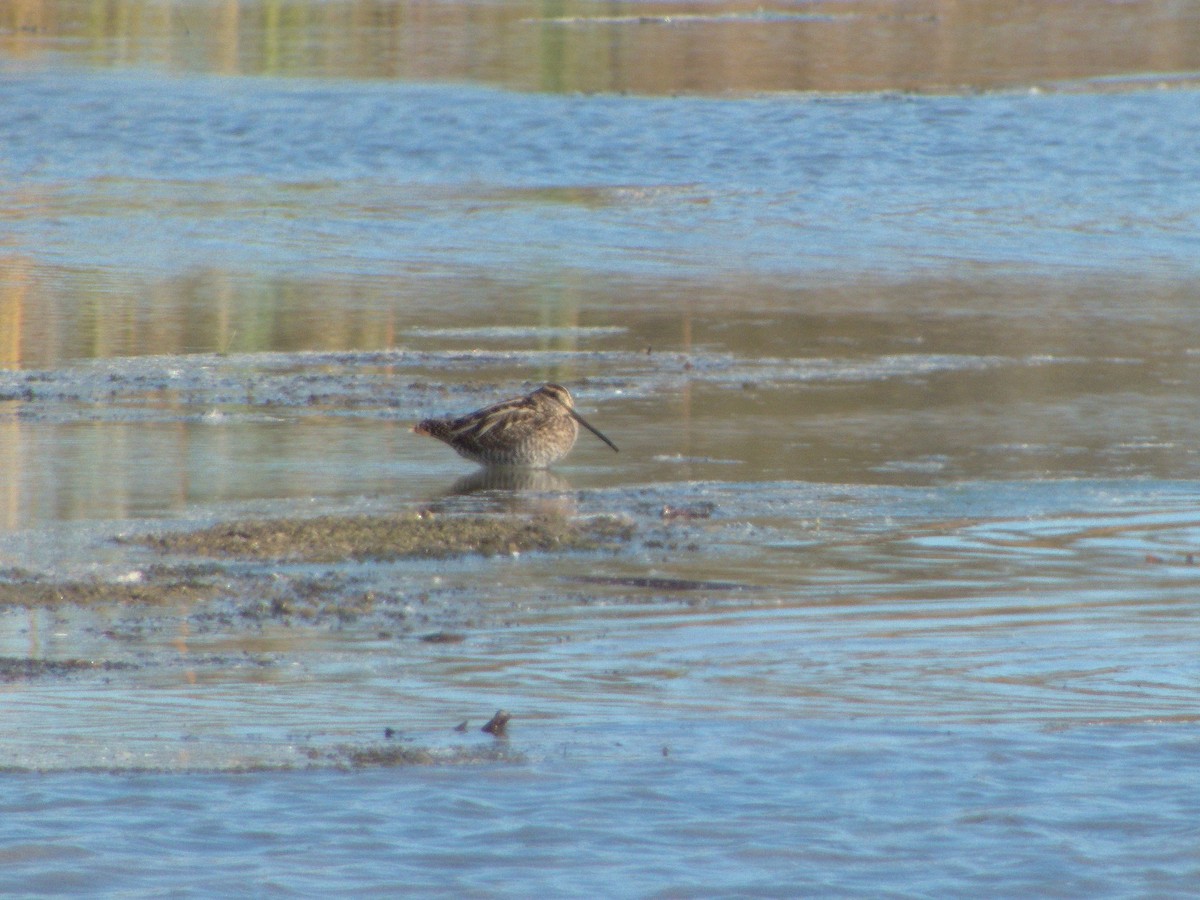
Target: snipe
<point>533,431</point>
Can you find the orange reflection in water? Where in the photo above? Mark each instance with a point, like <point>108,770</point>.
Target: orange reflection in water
<point>654,48</point>
<point>14,291</point>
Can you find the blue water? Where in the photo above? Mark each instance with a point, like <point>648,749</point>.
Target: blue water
<point>231,168</point>
<point>984,688</point>
<point>813,808</point>
<point>928,360</point>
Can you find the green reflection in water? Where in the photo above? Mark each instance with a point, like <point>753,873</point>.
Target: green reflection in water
<point>657,48</point>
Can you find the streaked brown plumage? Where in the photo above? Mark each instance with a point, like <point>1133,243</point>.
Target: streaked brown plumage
<point>532,432</point>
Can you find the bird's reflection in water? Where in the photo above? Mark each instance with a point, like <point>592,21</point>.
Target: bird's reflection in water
<point>509,479</point>
<point>516,490</point>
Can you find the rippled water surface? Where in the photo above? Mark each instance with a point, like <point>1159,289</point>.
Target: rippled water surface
<point>902,370</point>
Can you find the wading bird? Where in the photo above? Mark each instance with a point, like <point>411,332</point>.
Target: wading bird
<point>532,432</point>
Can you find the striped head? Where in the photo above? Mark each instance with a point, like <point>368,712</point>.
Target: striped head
<point>555,393</point>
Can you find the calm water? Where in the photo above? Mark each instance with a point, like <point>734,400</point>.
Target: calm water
<point>917,368</point>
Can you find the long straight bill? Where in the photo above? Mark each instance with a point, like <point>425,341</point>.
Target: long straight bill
<point>582,421</point>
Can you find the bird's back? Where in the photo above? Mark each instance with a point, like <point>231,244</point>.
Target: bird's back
<point>528,431</point>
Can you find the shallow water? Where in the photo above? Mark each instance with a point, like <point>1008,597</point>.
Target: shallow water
<point>902,385</point>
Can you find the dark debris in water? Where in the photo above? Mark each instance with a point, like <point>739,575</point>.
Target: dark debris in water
<point>497,725</point>
<point>444,637</point>
<point>326,539</point>
<point>663,584</point>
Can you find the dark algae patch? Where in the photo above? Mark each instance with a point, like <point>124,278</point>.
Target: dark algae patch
<point>22,669</point>
<point>326,539</point>
<point>396,756</point>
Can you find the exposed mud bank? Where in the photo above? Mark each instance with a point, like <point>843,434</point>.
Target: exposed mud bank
<point>162,587</point>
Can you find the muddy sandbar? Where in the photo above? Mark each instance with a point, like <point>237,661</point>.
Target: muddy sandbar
<point>36,592</point>
<point>327,539</point>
